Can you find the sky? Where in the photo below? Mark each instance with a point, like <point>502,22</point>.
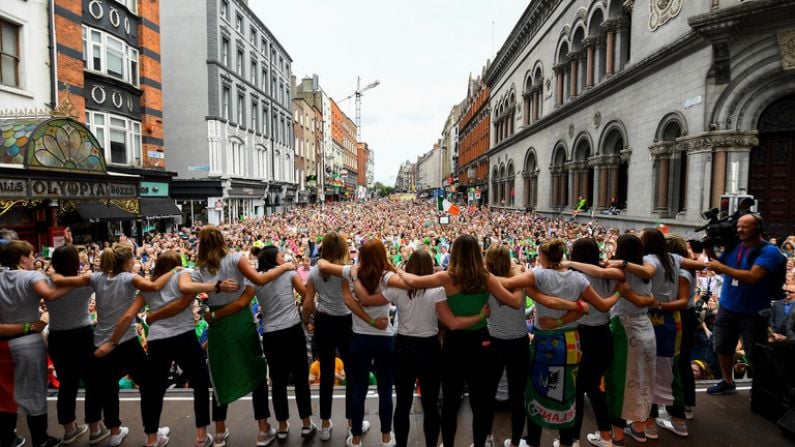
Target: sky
<point>422,52</point>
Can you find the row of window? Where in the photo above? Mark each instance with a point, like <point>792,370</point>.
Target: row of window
<point>253,36</point>
<point>131,5</point>
<point>258,77</point>
<point>237,155</point>
<point>258,116</point>
<point>120,136</point>
<point>110,56</point>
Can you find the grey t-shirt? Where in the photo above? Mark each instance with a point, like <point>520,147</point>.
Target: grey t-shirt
<point>227,270</point>
<point>277,303</point>
<point>624,307</point>
<point>179,323</point>
<point>363,327</point>
<point>505,322</point>
<point>71,310</point>
<point>663,289</point>
<point>604,288</point>
<point>18,302</point>
<point>691,292</point>
<point>568,285</point>
<point>329,293</point>
<point>114,296</point>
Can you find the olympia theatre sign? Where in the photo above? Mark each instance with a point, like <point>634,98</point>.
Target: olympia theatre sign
<point>66,189</point>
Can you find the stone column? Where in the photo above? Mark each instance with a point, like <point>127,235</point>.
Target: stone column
<point>575,187</point>
<point>589,62</point>
<point>613,181</point>
<point>611,48</point>
<point>663,174</point>
<point>573,76</point>
<point>536,103</point>
<point>622,43</point>
<point>586,185</point>
<point>559,90</point>
<point>603,174</point>
<point>718,176</point>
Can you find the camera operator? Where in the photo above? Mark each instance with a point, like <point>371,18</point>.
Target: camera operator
<point>744,294</point>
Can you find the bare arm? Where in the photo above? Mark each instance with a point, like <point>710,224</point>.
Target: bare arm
<point>596,271</point>
<point>511,298</point>
<point>234,307</point>
<point>71,281</point>
<point>634,298</point>
<point>43,290</point>
<point>358,310</point>
<point>330,268</point>
<point>18,329</point>
<point>526,279</point>
<point>366,297</point>
<point>645,271</point>
<point>262,278</point>
<point>121,327</point>
<point>298,286</point>
<point>172,308</point>
<point>548,323</point>
<point>681,300</point>
<point>602,304</point>
<point>308,309</point>
<point>146,285</point>
<point>188,286</point>
<point>691,264</point>
<point>753,276</point>
<point>438,279</point>
<point>551,302</point>
<point>454,322</point>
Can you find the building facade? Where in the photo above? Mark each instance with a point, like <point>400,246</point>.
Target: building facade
<point>429,169</point>
<point>309,89</point>
<point>343,135</point>
<point>677,99</point>
<point>472,164</point>
<point>306,147</point>
<point>406,177</point>
<point>228,110</point>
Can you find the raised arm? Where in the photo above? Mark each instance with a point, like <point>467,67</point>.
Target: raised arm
<point>121,327</point>
<point>44,291</point>
<point>262,278</point>
<point>595,271</point>
<point>526,279</point>
<point>330,268</point>
<point>593,298</point>
<point>188,286</point>
<point>234,307</point>
<point>146,285</point>
<point>454,322</point>
<point>71,281</point>
<point>438,279</point>
<point>692,264</point>
<point>358,310</point>
<point>172,308</point>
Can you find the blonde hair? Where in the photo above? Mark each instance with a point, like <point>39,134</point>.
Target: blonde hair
<point>498,260</point>
<point>114,258</point>
<point>553,251</point>
<point>334,250</point>
<point>212,249</point>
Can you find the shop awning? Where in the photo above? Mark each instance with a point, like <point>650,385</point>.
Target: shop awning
<point>159,208</point>
<point>103,212</point>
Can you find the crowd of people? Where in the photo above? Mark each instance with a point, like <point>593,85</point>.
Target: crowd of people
<point>383,293</point>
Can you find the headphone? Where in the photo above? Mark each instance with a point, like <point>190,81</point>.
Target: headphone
<point>760,223</point>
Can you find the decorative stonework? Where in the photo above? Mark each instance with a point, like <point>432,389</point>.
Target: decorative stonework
<point>786,43</point>
<point>548,88</point>
<point>571,130</point>
<point>721,140</point>
<point>662,11</point>
<point>597,120</point>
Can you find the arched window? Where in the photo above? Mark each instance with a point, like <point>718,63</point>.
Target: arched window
<point>613,179</point>
<point>511,184</point>
<point>538,88</point>
<point>577,62</point>
<point>617,35</point>
<point>581,173</point>
<point>559,179</point>
<point>670,167</point>
<point>530,179</point>
<point>595,47</point>
<point>503,202</point>
<point>562,73</point>
<point>495,186</point>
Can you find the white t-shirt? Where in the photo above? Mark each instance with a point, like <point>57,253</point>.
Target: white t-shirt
<point>363,327</point>
<point>417,316</point>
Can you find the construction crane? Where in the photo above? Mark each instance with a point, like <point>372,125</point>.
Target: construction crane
<point>358,95</point>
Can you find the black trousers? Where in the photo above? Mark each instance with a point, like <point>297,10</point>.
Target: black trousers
<point>72,354</point>
<point>286,353</point>
<point>689,328</point>
<point>128,357</point>
<point>183,349</point>
<point>513,357</point>
<point>259,400</point>
<point>596,343</point>
<point>466,357</point>
<point>332,335</point>
<point>417,359</point>
<point>534,435</point>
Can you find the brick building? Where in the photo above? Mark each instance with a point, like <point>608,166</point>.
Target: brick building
<point>473,143</point>
<point>343,135</point>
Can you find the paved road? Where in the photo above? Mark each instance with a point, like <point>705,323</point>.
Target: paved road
<point>720,421</point>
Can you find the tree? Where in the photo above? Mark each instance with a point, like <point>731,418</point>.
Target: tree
<point>383,190</point>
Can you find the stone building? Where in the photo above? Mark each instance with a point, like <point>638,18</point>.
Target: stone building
<point>227,107</point>
<point>309,89</point>
<point>652,108</point>
<point>306,147</point>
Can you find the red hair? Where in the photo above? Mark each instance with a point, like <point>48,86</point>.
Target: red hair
<point>373,264</point>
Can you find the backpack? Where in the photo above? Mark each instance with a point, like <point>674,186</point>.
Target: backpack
<point>778,277</point>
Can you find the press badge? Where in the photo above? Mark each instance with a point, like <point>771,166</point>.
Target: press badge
<point>735,283</point>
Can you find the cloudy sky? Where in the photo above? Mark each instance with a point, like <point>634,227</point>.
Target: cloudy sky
<point>421,51</point>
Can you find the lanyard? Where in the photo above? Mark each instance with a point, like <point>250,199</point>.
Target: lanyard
<point>740,254</point>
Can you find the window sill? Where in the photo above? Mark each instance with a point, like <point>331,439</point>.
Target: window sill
<point>16,91</point>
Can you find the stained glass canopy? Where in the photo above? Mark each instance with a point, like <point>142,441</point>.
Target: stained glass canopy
<point>60,144</point>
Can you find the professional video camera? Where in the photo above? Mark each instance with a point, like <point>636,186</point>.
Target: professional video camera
<point>721,227</point>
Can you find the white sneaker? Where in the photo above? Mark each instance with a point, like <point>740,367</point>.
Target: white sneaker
<point>266,439</point>
<point>690,413</point>
<point>556,443</point>
<point>220,439</point>
<point>489,441</point>
<point>596,440</point>
<point>308,432</point>
<point>116,440</point>
<point>163,431</point>
<point>325,433</point>
<point>391,442</point>
<point>349,442</point>
<point>161,441</point>
<point>522,443</point>
<point>365,428</point>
